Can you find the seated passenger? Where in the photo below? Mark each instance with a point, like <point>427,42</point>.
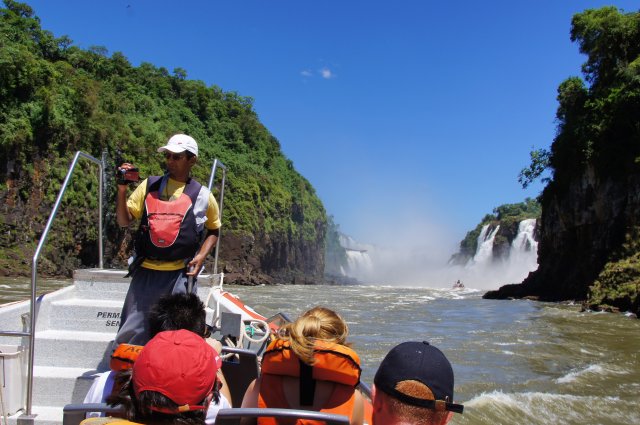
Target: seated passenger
<point>172,312</point>
<point>309,366</point>
<point>173,380</point>
<point>414,385</point>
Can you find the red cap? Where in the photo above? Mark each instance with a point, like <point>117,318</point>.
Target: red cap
<point>178,364</point>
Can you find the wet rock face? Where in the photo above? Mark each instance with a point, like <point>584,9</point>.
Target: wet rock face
<point>251,260</point>
<point>580,228</point>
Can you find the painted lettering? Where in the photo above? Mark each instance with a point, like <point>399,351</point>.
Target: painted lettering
<point>107,315</point>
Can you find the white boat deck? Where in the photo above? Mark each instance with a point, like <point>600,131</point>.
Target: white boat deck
<point>75,327</point>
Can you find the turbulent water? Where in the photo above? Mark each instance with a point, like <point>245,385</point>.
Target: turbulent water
<point>515,362</point>
<point>17,289</point>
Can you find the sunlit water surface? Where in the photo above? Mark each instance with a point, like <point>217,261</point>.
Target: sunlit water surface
<point>515,362</point>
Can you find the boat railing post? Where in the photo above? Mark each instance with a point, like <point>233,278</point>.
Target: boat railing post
<point>218,164</point>
<point>27,418</point>
<point>102,165</point>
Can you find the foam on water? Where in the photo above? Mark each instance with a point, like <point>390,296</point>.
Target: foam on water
<point>588,373</point>
<point>545,408</point>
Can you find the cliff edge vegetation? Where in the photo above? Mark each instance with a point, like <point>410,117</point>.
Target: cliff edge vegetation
<point>58,99</point>
<point>589,241</point>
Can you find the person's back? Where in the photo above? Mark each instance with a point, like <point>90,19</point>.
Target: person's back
<point>309,367</point>
<point>414,385</point>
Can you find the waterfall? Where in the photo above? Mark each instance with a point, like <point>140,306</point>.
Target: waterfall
<point>524,248</point>
<point>484,251</point>
<point>359,263</point>
<point>488,272</point>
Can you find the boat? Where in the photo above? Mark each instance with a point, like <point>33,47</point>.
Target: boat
<point>458,285</point>
<point>48,368</point>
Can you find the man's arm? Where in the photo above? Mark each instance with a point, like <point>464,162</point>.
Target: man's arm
<point>210,241</point>
<point>123,215</point>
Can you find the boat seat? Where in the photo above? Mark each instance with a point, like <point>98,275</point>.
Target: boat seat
<point>239,371</point>
<point>232,416</point>
<point>73,414</point>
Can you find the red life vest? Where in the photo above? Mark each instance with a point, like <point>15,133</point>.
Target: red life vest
<point>168,230</point>
<point>334,362</point>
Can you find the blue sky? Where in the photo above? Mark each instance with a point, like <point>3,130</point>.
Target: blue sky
<point>412,119</point>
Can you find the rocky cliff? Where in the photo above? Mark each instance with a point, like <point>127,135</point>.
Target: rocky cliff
<point>589,239</point>
<point>581,230</point>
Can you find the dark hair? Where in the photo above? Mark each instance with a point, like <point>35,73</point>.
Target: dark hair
<point>137,409</point>
<point>189,154</point>
<point>177,311</point>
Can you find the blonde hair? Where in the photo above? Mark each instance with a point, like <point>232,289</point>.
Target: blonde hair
<point>317,324</point>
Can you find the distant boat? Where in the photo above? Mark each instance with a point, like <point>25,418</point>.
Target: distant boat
<point>458,285</point>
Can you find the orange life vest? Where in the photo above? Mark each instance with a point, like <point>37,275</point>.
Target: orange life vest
<point>333,362</point>
<point>124,357</point>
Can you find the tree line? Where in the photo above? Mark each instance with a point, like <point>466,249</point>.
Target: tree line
<point>58,98</point>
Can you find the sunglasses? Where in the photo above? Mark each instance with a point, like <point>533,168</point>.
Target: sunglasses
<point>174,156</point>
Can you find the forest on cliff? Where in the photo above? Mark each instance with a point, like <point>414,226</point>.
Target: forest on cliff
<point>58,99</point>
<point>589,231</point>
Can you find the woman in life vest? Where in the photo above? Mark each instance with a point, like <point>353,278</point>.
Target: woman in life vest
<point>309,366</point>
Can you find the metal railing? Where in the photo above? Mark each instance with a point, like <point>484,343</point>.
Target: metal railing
<point>36,255</point>
<point>218,164</point>
<point>34,270</point>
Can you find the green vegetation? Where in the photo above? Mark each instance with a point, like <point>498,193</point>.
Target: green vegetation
<point>618,285</point>
<point>597,140</point>
<point>58,99</point>
<point>507,215</point>
<point>597,117</point>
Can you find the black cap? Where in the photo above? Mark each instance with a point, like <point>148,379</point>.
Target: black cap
<point>418,361</point>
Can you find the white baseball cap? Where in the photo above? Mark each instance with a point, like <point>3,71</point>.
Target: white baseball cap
<point>180,143</point>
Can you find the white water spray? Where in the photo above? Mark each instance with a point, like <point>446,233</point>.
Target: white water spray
<point>415,266</point>
<point>484,252</point>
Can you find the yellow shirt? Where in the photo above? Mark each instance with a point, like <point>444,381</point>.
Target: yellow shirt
<point>172,190</point>
<point>107,420</point>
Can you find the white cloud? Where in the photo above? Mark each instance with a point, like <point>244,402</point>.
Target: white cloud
<point>326,73</point>
<point>306,73</point>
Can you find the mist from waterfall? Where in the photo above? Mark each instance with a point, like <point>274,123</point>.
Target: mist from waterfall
<point>487,272</point>
<point>420,266</point>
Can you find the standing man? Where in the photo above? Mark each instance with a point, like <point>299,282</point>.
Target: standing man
<point>414,385</point>
<point>175,211</point>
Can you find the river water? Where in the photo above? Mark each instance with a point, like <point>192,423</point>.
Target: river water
<point>515,362</point>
